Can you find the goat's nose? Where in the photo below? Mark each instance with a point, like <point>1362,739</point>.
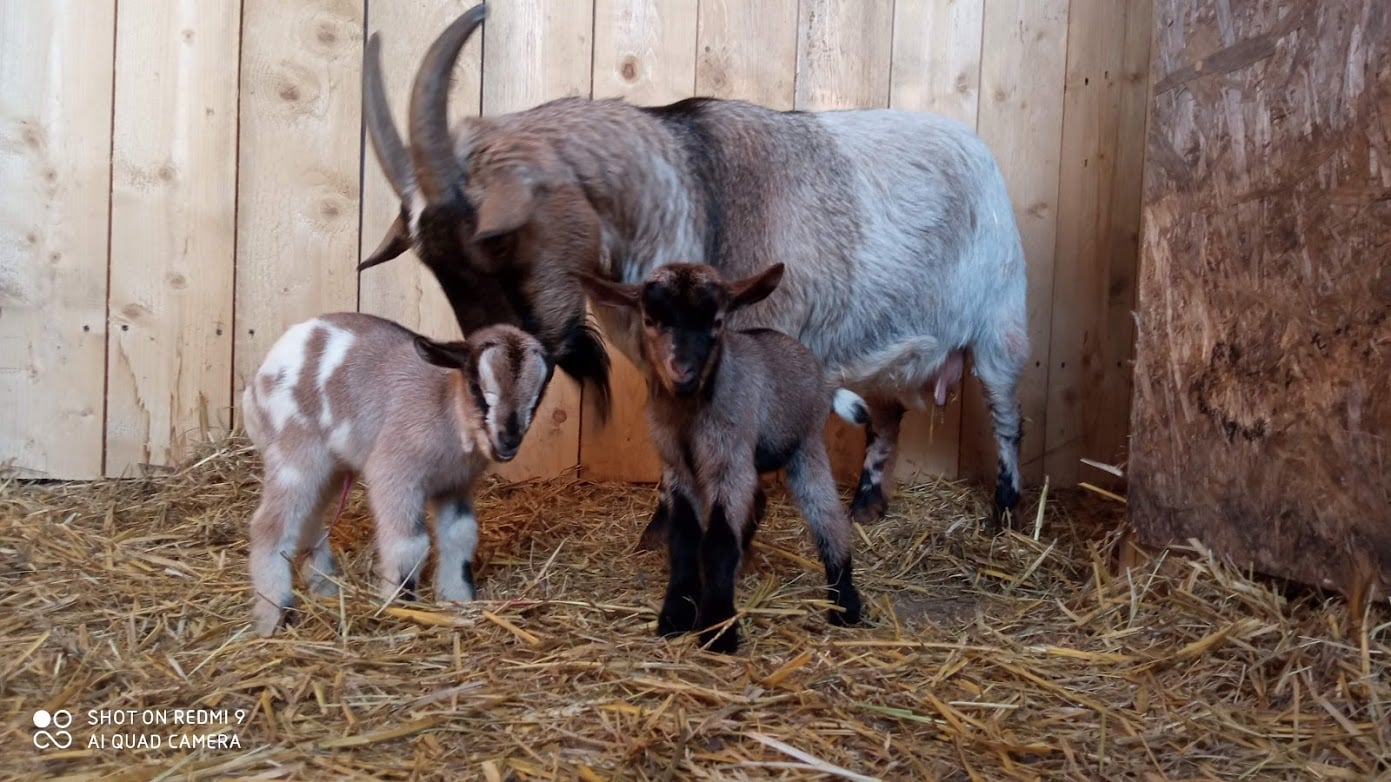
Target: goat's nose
<point>680,371</point>
<point>509,441</point>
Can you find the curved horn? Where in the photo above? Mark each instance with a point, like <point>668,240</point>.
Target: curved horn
<point>436,169</point>
<point>386,142</point>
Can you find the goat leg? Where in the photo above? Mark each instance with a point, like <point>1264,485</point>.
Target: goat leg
<point>881,445</point>
<point>678,614</point>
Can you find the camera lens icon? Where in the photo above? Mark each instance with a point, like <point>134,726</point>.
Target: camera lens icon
<point>56,739</point>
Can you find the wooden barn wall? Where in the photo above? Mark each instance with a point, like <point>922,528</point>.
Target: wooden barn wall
<point>185,178</point>
<point>1261,417</point>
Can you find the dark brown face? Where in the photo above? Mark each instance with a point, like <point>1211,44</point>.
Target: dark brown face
<point>683,306</point>
<point>683,309</point>
<point>502,242</point>
<point>521,277</point>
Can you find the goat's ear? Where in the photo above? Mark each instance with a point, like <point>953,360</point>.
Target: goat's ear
<point>756,288</point>
<point>509,201</point>
<point>396,241</point>
<point>450,355</point>
<point>608,293</point>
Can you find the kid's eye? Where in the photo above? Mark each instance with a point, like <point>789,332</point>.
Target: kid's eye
<point>649,321</point>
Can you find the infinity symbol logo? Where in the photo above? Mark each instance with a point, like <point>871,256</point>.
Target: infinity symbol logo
<point>57,739</point>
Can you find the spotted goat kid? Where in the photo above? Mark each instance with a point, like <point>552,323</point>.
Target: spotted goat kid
<point>723,406</point>
<point>348,393</point>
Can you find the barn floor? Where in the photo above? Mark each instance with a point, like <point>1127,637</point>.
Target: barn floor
<point>986,659</point>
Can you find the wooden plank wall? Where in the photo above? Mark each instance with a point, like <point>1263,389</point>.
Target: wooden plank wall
<point>223,139</point>
<point>1261,414</point>
<point>55,162</point>
<point>173,227</point>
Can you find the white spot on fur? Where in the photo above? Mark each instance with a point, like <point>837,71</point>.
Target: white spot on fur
<point>282,369</point>
<point>849,406</point>
<point>340,439</point>
<point>468,535</point>
<point>336,347</point>
<point>417,209</point>
<point>288,475</point>
<point>488,382</point>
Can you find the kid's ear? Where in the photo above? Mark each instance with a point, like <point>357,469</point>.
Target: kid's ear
<point>609,293</point>
<point>450,355</point>
<point>756,288</point>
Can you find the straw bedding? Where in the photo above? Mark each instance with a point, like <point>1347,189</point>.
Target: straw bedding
<point>986,658</point>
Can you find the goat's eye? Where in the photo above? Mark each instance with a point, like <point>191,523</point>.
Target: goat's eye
<point>649,321</point>
<point>498,247</point>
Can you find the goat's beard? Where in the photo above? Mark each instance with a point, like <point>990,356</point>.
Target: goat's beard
<point>582,356</point>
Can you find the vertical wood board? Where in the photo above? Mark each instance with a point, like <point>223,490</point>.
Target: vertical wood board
<point>937,56</point>
<point>1023,56</point>
<point>172,228</point>
<point>535,51</point>
<point>842,63</point>
<point>936,68</point>
<point>1108,437</point>
<point>55,163</point>
<point>298,161</point>
<point>1091,119</point>
<point>404,290</point>
<point>747,50</point>
<point>645,54</point>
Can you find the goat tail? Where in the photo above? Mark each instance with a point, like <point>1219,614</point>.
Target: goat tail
<point>250,415</point>
<point>850,406</point>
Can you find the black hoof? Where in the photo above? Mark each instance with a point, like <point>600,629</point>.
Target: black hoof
<point>869,504</point>
<point>678,617</point>
<point>721,641</point>
<point>408,591</point>
<point>849,603</point>
<point>1006,513</point>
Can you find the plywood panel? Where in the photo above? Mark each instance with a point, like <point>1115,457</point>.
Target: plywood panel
<point>1091,121</point>
<point>404,290</point>
<point>747,50</point>
<point>644,53</point>
<point>55,148</point>
<point>298,162</point>
<point>936,68</point>
<point>1264,338</point>
<point>843,62</point>
<point>535,51</point>
<point>172,230</point>
<point>1022,65</point>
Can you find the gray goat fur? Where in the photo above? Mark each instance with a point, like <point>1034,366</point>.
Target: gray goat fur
<point>897,231</point>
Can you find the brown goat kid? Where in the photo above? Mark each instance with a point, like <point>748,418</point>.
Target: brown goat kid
<point>723,406</point>
<point>419,420</point>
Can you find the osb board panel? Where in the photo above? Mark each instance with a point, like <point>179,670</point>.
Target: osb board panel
<point>1261,417</point>
<point>55,163</point>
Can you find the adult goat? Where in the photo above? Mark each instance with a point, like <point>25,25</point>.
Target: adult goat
<point>896,229</point>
